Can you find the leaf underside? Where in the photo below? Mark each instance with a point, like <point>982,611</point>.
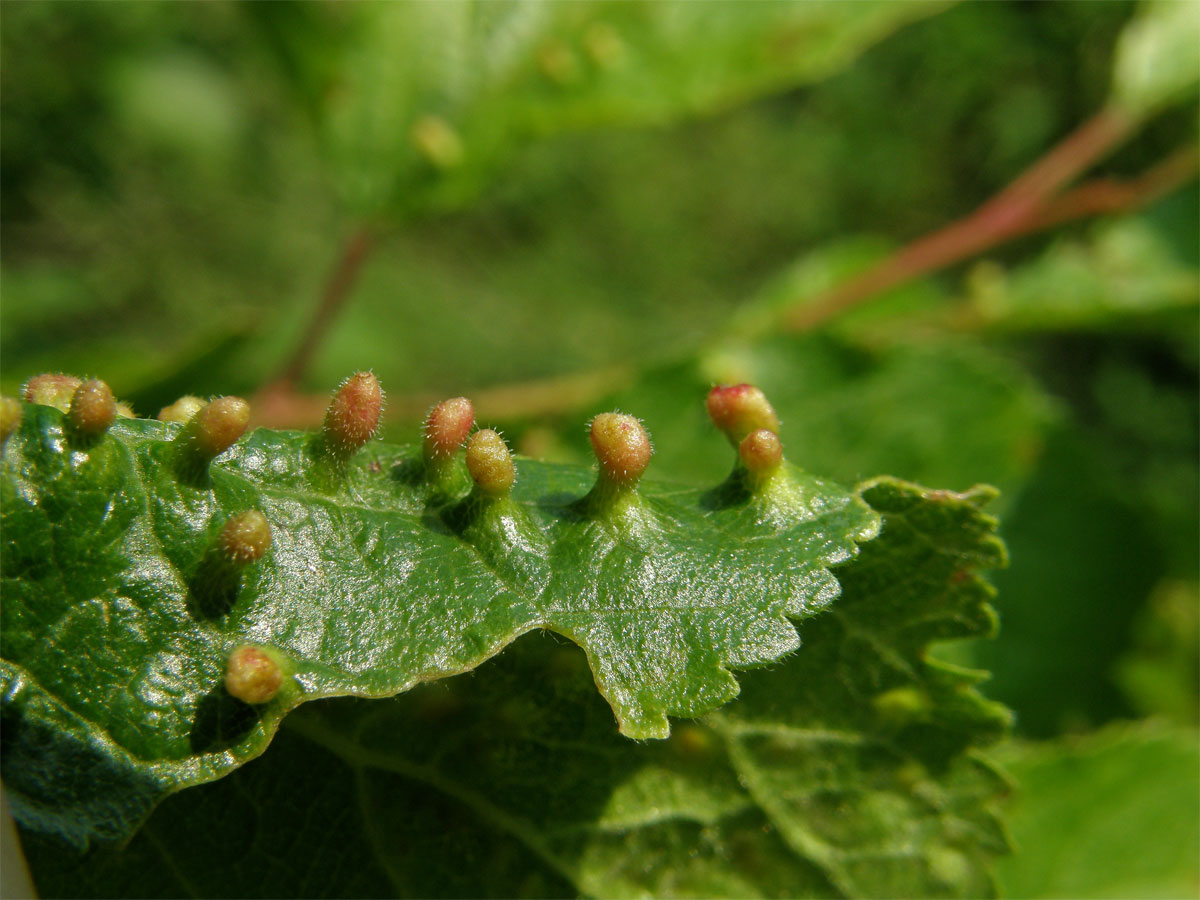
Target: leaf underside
<point>116,632</point>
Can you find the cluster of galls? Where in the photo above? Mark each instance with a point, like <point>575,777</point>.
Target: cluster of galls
<point>621,445</point>
<point>745,416</point>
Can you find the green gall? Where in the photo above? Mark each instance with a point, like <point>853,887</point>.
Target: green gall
<point>490,462</point>
<point>603,44</point>
<point>181,410</point>
<point>217,426</point>
<point>622,447</point>
<point>52,390</point>
<point>252,675</point>
<point>761,453</point>
<point>10,417</point>
<point>692,741</point>
<point>246,538</point>
<point>446,427</point>
<point>739,409</point>
<point>901,705</point>
<point>438,142</point>
<point>353,415</point>
<point>558,62</point>
<point>93,408</point>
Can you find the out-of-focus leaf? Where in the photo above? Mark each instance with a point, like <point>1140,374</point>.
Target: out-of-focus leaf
<point>1158,57</point>
<point>1125,273</point>
<point>1114,814</point>
<point>849,769</point>
<point>1068,600</point>
<point>1161,672</point>
<point>1148,437</point>
<point>431,95</point>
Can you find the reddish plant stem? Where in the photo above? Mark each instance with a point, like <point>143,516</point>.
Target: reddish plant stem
<point>1106,195</point>
<point>1029,204</point>
<point>337,291</point>
<point>1026,205</point>
<point>1066,160</point>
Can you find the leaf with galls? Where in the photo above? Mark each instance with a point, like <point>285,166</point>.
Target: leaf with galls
<point>411,565</point>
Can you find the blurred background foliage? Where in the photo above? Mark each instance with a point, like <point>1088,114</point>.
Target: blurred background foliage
<point>627,200</point>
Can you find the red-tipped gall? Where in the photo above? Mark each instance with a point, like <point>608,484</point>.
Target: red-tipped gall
<point>246,538</point>
<point>490,463</point>
<point>738,409</point>
<point>353,415</point>
<point>252,675</point>
<point>761,453</point>
<point>446,427</point>
<point>93,408</point>
<point>622,447</point>
<point>52,389</point>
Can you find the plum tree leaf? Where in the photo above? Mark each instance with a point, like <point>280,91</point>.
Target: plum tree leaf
<point>434,95</point>
<point>117,624</point>
<point>851,768</point>
<point>1129,791</point>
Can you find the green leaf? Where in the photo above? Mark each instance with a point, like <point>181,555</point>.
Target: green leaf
<point>1158,57</point>
<point>117,626</point>
<point>431,96</point>
<point>1124,274</point>
<point>1112,814</point>
<point>1069,601</point>
<point>849,769</point>
<point>1160,673</point>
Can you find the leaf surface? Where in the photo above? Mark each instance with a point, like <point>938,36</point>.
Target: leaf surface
<point>849,769</point>
<point>432,95</point>
<point>1109,814</point>
<point>117,631</point>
